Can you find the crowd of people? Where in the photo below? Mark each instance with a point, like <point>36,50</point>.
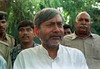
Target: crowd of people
<point>60,48</point>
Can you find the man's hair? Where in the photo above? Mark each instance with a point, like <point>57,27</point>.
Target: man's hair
<point>3,15</point>
<point>66,26</point>
<point>84,12</point>
<point>25,23</point>
<point>45,15</point>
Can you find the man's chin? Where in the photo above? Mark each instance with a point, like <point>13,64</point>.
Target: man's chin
<point>54,43</point>
<point>25,41</point>
<point>82,30</point>
<point>1,31</point>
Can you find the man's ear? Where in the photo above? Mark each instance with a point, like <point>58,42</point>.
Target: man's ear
<point>36,31</point>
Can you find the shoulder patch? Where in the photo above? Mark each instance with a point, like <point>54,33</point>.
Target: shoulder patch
<point>10,36</point>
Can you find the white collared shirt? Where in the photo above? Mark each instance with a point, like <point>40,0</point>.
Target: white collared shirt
<point>38,58</point>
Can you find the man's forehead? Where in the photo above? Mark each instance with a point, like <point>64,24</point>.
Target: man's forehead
<point>83,15</point>
<point>25,27</point>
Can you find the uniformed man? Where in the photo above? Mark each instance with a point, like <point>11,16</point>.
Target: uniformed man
<point>3,27</point>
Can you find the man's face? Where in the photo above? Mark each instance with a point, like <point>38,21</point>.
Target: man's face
<point>26,34</point>
<point>67,31</point>
<point>3,26</point>
<point>51,31</point>
<point>83,23</point>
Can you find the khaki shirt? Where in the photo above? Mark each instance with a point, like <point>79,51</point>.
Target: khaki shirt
<point>5,52</point>
<point>10,40</point>
<point>89,46</point>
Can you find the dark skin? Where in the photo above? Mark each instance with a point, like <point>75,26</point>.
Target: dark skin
<point>2,36</point>
<point>27,45</point>
<point>26,36</point>
<point>3,27</point>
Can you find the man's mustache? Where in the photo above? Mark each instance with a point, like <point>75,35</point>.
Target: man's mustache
<point>2,28</point>
<point>84,25</point>
<point>24,36</point>
<point>60,36</point>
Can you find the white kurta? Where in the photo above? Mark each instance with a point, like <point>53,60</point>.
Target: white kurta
<point>38,58</point>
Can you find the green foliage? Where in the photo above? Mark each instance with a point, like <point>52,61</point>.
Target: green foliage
<point>26,9</point>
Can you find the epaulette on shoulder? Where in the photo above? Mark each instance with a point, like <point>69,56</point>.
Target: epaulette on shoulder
<point>4,43</point>
<point>10,36</point>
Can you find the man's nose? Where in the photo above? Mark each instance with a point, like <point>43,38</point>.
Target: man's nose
<point>83,21</point>
<point>56,28</point>
<point>25,32</point>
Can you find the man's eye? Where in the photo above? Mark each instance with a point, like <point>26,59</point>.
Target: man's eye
<point>50,25</point>
<point>21,30</point>
<point>3,21</point>
<point>60,24</point>
<point>80,19</point>
<point>29,29</point>
<point>87,20</point>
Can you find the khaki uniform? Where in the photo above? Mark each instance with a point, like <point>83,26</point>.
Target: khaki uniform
<point>89,46</point>
<point>5,52</point>
<point>10,40</point>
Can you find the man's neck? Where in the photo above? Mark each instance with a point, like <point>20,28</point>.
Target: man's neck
<point>27,45</point>
<point>52,51</point>
<point>83,35</point>
<point>2,36</point>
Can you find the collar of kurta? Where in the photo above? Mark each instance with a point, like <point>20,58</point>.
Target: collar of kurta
<point>45,52</point>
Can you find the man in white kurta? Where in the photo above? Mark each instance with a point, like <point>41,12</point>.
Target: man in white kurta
<point>50,54</point>
<point>38,58</point>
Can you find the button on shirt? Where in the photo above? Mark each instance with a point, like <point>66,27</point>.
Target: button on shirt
<point>38,58</point>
